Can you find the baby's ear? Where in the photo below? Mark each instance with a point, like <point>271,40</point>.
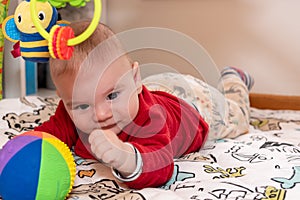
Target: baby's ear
<point>137,76</point>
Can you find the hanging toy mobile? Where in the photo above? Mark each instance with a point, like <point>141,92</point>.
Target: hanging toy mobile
<point>61,39</point>
<point>38,34</point>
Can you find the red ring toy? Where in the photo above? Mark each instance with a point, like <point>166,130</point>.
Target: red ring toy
<point>58,47</point>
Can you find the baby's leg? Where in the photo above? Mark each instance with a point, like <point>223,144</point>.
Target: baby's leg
<point>235,85</point>
<point>207,100</point>
<point>172,83</point>
<point>222,113</point>
<point>225,110</point>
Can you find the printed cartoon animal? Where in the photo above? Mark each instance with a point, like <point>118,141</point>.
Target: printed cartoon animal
<point>105,189</point>
<point>268,124</point>
<point>86,173</point>
<point>28,120</point>
<point>288,183</point>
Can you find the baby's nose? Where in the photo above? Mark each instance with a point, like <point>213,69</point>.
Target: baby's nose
<point>103,112</point>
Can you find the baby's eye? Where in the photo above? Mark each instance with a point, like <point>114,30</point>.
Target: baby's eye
<point>112,96</point>
<point>81,107</point>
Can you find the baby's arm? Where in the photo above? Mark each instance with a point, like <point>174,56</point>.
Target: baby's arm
<point>108,148</point>
<point>61,126</point>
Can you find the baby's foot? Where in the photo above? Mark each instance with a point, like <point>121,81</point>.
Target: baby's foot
<point>244,76</point>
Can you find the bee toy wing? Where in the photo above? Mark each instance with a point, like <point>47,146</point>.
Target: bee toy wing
<point>10,30</point>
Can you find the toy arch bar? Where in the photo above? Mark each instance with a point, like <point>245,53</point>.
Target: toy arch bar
<point>73,41</point>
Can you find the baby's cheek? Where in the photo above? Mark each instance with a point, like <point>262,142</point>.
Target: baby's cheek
<point>84,123</point>
<point>133,107</point>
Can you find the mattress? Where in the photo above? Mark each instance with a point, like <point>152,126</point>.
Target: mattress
<point>262,164</point>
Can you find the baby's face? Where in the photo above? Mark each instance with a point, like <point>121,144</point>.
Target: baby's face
<point>105,99</point>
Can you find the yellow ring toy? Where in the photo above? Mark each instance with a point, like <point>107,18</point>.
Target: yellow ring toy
<point>66,38</point>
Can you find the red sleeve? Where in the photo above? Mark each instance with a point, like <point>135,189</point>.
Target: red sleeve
<point>150,134</point>
<point>157,155</point>
<point>61,126</point>
<point>165,128</point>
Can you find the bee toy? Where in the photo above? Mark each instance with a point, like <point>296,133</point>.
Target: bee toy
<point>39,35</point>
<point>19,28</point>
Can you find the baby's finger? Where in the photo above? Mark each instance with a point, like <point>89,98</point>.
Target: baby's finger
<point>95,135</point>
<point>107,157</point>
<point>112,138</point>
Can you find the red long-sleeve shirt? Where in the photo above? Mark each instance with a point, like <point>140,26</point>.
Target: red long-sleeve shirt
<point>165,128</point>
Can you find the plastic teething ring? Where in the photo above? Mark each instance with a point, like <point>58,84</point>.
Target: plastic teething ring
<point>69,41</point>
<point>52,41</point>
<point>57,43</point>
<point>63,49</point>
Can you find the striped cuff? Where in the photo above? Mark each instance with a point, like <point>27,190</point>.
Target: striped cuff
<point>137,172</point>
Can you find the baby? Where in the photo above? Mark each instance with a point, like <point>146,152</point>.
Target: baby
<point>107,113</point>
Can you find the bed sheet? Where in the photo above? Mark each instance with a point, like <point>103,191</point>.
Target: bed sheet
<point>263,164</point>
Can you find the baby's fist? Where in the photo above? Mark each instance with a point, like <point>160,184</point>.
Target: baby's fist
<point>108,148</point>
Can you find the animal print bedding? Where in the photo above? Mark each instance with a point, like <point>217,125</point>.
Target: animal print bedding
<point>263,164</point>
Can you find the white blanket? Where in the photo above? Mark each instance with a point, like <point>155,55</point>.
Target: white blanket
<point>263,164</point>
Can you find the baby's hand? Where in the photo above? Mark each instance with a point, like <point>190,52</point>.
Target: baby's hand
<point>107,147</point>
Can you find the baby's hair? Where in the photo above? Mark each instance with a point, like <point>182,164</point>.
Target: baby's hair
<point>98,39</point>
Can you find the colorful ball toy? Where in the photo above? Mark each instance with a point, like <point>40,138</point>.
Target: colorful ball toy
<point>37,166</point>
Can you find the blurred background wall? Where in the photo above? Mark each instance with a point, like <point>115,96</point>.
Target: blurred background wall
<point>262,37</point>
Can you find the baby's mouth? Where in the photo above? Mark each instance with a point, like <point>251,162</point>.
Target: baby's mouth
<point>106,127</point>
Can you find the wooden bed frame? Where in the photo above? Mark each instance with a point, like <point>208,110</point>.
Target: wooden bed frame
<point>274,102</point>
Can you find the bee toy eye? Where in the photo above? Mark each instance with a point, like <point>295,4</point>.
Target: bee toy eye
<point>19,18</point>
<point>41,15</point>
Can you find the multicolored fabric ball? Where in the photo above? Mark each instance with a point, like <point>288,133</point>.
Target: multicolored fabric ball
<point>36,165</point>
